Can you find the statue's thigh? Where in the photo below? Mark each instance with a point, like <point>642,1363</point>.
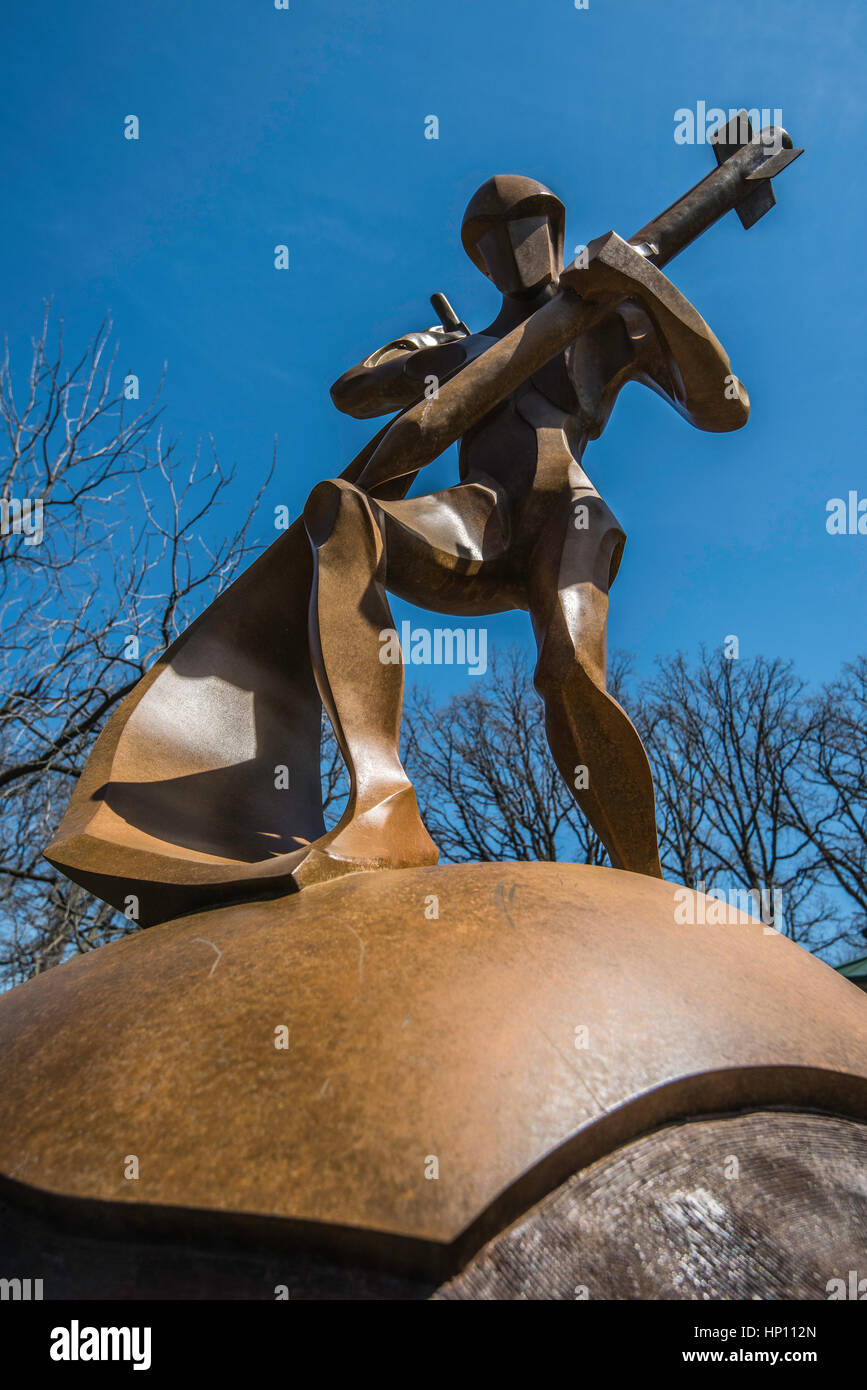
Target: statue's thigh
<point>448,551</point>
<point>571,570</point>
<point>581,544</point>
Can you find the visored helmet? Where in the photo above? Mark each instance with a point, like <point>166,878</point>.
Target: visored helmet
<point>513,231</point>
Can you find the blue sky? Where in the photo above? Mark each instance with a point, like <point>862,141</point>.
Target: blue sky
<point>306,127</point>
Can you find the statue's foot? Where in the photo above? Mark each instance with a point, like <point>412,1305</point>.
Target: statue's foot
<point>388,835</point>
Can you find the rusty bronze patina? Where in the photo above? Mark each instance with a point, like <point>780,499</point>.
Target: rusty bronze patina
<point>177,808</point>
<point>439,1075</point>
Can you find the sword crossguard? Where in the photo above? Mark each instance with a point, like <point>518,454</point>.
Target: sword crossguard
<point>741,182</point>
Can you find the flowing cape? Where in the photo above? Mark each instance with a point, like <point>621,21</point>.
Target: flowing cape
<point>204,786</point>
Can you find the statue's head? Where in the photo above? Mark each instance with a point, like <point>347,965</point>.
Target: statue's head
<point>513,231</point>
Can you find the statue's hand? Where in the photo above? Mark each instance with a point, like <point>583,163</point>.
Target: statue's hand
<point>606,272</point>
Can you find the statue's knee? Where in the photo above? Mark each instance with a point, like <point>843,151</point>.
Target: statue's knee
<point>550,672</point>
<point>565,670</point>
<point>324,505</point>
<point>598,535</point>
<point>617,548</point>
<point>611,540</point>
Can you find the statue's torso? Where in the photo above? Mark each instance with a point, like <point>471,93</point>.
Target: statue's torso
<point>533,440</point>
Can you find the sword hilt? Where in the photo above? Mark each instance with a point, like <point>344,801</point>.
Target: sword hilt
<point>446,314</point>
<point>740,182</point>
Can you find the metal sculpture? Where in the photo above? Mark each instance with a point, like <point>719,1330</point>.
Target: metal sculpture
<point>177,807</point>
<point>579,1060</point>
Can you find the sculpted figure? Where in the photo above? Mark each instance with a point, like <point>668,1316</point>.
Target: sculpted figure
<point>204,787</point>
<point>524,528</point>
<point>202,797</point>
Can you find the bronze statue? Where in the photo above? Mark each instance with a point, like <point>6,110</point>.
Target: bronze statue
<point>525,527</point>
<point>548,1093</point>
<point>179,808</point>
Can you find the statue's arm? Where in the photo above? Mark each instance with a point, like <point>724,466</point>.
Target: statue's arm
<point>674,350</point>
<point>689,369</point>
<point>394,376</point>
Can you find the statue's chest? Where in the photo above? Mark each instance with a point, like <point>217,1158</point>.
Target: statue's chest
<point>585,379</point>
<point>529,440</point>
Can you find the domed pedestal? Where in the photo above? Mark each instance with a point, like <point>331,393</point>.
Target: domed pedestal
<point>356,1089</point>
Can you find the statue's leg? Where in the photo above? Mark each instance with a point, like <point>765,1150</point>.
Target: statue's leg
<point>428,543</point>
<point>594,743</point>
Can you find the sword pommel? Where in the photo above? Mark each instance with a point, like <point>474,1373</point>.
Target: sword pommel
<point>746,163</point>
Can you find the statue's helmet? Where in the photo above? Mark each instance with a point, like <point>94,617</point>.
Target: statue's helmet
<point>513,231</point>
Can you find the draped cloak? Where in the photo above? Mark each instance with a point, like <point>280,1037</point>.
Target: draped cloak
<point>180,804</point>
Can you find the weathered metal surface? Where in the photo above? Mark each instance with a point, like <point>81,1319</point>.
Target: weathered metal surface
<point>668,1216</point>
<point>411,1037</point>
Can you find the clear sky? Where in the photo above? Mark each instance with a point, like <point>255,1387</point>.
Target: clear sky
<point>261,126</point>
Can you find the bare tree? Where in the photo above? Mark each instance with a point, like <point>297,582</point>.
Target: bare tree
<point>487,785</point>
<point>335,782</point>
<point>728,741</point>
<point>828,805</point>
<point>108,547</point>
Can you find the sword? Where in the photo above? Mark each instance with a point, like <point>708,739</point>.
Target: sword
<point>446,314</point>
<point>741,183</point>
